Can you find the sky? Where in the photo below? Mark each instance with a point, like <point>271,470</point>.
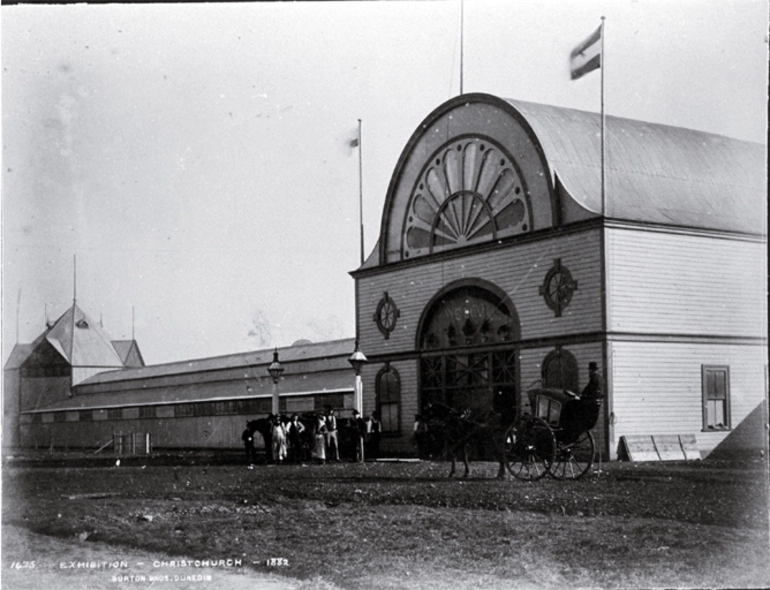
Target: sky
<point>195,159</point>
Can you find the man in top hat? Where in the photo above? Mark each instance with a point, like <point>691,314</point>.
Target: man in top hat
<point>593,390</point>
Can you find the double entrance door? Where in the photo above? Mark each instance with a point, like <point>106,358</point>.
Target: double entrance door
<point>476,380</point>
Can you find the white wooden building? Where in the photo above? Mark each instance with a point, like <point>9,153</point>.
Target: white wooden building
<point>499,266</point>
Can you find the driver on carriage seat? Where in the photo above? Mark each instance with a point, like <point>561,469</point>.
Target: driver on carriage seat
<point>592,391</point>
<point>581,414</point>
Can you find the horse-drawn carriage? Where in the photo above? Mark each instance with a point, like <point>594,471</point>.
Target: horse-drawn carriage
<point>552,438</point>
<point>555,438</point>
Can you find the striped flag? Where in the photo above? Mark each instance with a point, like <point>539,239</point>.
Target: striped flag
<point>587,56</point>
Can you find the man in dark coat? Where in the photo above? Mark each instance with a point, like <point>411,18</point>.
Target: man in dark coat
<point>248,444</point>
<point>357,432</point>
<point>373,435</point>
<point>592,391</point>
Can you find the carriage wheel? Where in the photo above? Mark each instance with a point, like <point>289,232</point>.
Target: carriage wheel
<point>573,460</point>
<point>529,448</point>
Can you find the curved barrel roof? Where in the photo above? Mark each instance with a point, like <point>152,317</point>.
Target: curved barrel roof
<point>655,173</point>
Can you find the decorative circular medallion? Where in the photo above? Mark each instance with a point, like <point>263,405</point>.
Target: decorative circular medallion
<point>386,315</point>
<point>558,286</point>
<point>470,191</point>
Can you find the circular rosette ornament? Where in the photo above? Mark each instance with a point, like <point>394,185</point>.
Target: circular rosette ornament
<point>386,315</point>
<point>558,287</point>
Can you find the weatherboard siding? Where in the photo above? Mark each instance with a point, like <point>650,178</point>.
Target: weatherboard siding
<point>531,365</point>
<point>657,386</point>
<point>664,283</point>
<point>409,406</point>
<point>181,433</point>
<point>518,270</point>
<point>38,392</point>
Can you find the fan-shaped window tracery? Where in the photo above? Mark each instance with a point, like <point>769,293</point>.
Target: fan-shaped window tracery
<point>469,192</point>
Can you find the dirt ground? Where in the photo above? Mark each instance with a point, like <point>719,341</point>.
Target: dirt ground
<point>379,525</point>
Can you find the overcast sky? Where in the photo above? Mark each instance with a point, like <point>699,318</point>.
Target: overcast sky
<point>196,159</point>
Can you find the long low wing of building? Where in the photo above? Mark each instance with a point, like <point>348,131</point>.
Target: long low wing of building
<point>201,403</point>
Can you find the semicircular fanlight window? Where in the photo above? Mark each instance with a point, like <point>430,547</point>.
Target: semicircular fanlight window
<point>469,192</point>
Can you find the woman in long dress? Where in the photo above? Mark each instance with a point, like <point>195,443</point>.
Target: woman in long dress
<point>319,440</point>
<point>280,447</point>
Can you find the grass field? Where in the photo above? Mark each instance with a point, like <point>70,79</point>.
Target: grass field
<point>405,525</point>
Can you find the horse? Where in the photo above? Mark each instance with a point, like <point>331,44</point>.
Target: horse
<point>452,430</point>
<point>264,427</point>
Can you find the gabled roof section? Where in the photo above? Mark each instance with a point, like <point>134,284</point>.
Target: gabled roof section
<point>82,341</point>
<point>654,173</point>
<point>128,351</point>
<point>19,354</point>
<point>22,352</point>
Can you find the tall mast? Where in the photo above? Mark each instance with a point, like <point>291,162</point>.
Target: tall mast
<point>361,189</point>
<point>604,197</point>
<point>462,44</point>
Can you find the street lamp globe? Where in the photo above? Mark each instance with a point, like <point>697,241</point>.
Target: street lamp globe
<point>357,360</point>
<point>275,369</point>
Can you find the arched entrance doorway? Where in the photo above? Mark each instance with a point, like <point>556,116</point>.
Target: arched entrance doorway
<point>468,341</point>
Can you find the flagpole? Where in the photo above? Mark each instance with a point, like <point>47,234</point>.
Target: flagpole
<point>602,68</point>
<point>18,305</point>
<point>360,190</point>
<point>462,44</point>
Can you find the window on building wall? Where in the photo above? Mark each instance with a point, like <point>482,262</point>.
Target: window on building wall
<point>203,409</point>
<point>716,397</point>
<point>114,414</point>
<point>183,410</point>
<point>389,400</point>
<point>60,417</point>
<point>147,411</point>
<point>86,415</point>
<point>246,406</point>
<point>560,370</point>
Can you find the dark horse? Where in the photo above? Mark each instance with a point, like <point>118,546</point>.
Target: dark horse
<point>264,427</point>
<point>452,430</point>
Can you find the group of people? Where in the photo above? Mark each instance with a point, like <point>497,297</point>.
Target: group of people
<point>312,437</point>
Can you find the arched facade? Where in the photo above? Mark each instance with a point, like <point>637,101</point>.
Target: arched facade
<point>468,341</point>
<point>500,267</point>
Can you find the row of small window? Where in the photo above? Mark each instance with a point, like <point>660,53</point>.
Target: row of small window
<point>247,407</point>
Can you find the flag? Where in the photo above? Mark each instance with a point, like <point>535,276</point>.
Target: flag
<point>587,56</point>
<point>350,141</point>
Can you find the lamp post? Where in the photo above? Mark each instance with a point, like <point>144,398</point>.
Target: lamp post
<point>275,369</point>
<point>357,361</point>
